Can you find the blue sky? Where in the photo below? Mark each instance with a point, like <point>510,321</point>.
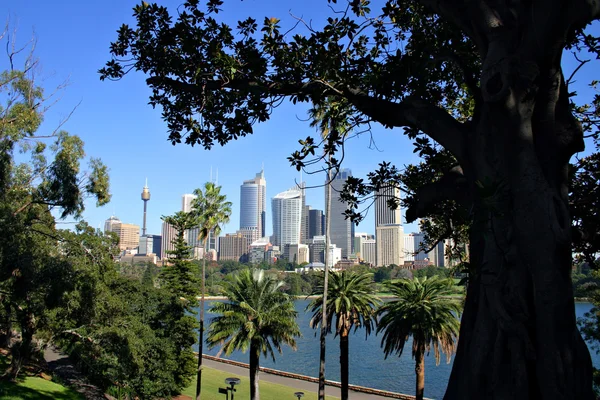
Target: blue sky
<point>118,126</point>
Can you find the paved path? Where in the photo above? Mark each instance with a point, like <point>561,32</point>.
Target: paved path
<point>290,382</point>
<point>60,365</point>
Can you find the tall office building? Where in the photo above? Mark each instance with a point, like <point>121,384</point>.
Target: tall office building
<point>168,234</point>
<point>150,244</point>
<point>412,244</point>
<point>253,206</point>
<point>305,228</point>
<point>341,229</point>
<point>388,227</point>
<point>233,247</point>
<point>109,223</point>
<point>368,251</point>
<point>390,245</point>
<point>315,223</point>
<point>186,202</point>
<point>287,216</point>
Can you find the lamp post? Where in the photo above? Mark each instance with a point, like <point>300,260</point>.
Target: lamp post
<point>232,382</point>
<point>299,395</point>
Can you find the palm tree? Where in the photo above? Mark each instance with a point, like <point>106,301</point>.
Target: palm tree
<point>424,311</point>
<point>351,299</point>
<point>330,118</point>
<point>258,316</point>
<point>212,211</point>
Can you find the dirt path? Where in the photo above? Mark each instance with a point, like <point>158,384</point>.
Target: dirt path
<point>62,367</point>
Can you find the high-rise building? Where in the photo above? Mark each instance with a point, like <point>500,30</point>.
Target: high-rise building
<point>390,245</point>
<point>145,199</point>
<point>316,247</point>
<point>287,216</point>
<point>412,245</point>
<point>368,251</point>
<point>388,228</point>
<point>109,223</point>
<point>305,227</point>
<point>341,229</point>
<point>258,250</point>
<point>129,234</point>
<point>436,255</point>
<point>253,206</point>
<point>384,215</point>
<point>186,202</point>
<point>233,247</point>
<point>298,253</point>
<point>168,235</point>
<point>150,244</point>
<point>315,223</point>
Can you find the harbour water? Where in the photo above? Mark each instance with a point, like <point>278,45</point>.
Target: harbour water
<point>368,366</point>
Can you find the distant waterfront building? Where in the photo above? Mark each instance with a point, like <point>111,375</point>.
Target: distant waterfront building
<point>315,223</point>
<point>253,206</point>
<point>436,255</point>
<point>251,234</point>
<point>233,247</point>
<point>334,256</point>
<point>168,235</point>
<point>287,216</point>
<point>341,229</point>
<point>390,245</point>
<point>298,253</point>
<point>129,234</point>
<point>359,237</point>
<point>316,247</point>
<point>368,251</point>
<point>258,250</point>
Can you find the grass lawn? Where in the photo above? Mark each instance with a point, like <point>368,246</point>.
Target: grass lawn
<point>35,388</point>
<point>213,379</point>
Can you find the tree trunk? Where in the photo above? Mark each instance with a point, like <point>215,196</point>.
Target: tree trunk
<point>254,369</point>
<point>344,354</point>
<point>325,288</point>
<point>201,330</point>
<point>6,336</point>
<point>518,336</point>
<point>420,372</point>
<point>21,352</point>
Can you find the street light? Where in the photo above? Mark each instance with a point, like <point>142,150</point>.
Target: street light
<point>299,395</point>
<point>232,382</point>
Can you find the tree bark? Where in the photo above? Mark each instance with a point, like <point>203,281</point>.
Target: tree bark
<point>518,337</point>
<point>323,332</point>
<point>201,329</point>
<point>420,373</point>
<point>344,355</point>
<point>254,369</point>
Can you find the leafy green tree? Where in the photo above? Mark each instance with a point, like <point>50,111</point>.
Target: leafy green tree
<point>382,274</point>
<point>179,279</point>
<point>258,317</point>
<point>212,210</point>
<point>48,177</point>
<point>479,88</point>
<point>421,310</point>
<point>351,300</point>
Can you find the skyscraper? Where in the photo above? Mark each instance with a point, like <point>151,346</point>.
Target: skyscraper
<point>129,235</point>
<point>253,205</point>
<point>233,247</point>
<point>341,229</point>
<point>109,223</point>
<point>315,223</point>
<point>287,216</point>
<point>145,199</point>
<point>168,234</point>
<point>186,202</point>
<point>388,228</point>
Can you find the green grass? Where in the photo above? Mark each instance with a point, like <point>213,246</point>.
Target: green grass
<point>213,379</point>
<point>35,388</point>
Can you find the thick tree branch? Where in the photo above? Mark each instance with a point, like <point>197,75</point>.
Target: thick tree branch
<point>452,186</point>
<point>432,120</point>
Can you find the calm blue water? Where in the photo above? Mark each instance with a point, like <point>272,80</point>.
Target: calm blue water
<point>368,367</point>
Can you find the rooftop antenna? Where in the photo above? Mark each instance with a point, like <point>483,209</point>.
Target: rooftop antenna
<point>211,173</point>
<point>217,178</point>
